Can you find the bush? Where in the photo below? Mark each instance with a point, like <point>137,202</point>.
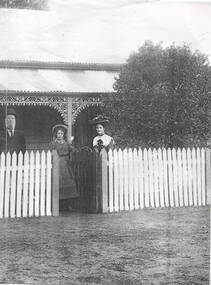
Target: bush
<point>162,98</point>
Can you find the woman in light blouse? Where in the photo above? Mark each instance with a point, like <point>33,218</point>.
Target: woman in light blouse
<point>102,140</point>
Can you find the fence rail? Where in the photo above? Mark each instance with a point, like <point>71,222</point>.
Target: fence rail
<point>25,184</point>
<point>139,178</point>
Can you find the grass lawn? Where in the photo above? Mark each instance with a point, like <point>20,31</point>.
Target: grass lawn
<point>151,246</point>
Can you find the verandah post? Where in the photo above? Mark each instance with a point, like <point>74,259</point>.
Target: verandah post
<point>69,118</point>
<point>55,184</point>
<point>208,176</point>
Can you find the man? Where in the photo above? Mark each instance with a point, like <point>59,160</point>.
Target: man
<point>12,140</point>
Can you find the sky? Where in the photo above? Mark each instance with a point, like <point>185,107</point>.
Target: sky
<point>102,31</point>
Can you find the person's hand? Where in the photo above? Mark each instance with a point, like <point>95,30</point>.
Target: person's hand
<point>70,140</point>
<point>86,148</point>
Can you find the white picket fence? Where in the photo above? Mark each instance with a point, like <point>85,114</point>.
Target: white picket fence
<point>155,178</point>
<point>25,184</point>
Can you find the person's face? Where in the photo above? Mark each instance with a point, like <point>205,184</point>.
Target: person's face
<point>60,134</point>
<point>100,130</point>
<point>10,122</point>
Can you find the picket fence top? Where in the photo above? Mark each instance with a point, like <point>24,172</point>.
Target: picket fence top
<point>35,153</point>
<point>27,153</point>
<point>129,149</point>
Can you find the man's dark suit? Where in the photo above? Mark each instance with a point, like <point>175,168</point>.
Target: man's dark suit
<point>15,142</point>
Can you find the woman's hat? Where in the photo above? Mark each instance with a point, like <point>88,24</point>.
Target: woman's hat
<point>100,119</point>
<point>59,127</point>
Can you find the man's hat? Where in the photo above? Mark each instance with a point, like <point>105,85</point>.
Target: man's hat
<point>100,119</point>
<point>10,111</point>
<point>59,127</point>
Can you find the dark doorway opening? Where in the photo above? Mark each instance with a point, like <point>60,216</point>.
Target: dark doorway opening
<point>83,131</point>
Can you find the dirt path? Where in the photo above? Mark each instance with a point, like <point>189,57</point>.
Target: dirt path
<point>153,246</point>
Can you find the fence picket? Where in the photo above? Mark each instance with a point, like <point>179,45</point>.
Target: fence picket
<point>2,176</point>
<point>141,181</point>
<point>37,184</point>
<point>19,185</point>
<point>156,178</point>
<point>135,157</point>
<point>25,184</point>
<point>111,192</point>
<point>13,185</point>
<point>179,161</point>
<point>170,173</point>
<point>7,185</point>
<point>116,182</point>
<point>151,184</point>
<point>131,179</point>
<point>121,175</point>
<point>42,184</point>
<point>175,177</point>
<point>126,171</point>
<point>48,185</point>
<point>203,177</point>
<point>184,174</point>
<point>195,203</point>
<point>165,173</point>
<point>190,177</point>
<point>160,175</point>
<point>146,179</point>
<point>198,163</point>
<point>31,184</point>
<point>208,177</point>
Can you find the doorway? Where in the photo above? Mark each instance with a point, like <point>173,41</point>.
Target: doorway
<point>83,131</point>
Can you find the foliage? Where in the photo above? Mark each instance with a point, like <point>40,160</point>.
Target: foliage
<point>162,98</point>
<point>24,4</point>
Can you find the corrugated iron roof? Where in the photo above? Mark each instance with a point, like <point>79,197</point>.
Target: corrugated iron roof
<point>34,64</point>
<point>44,80</point>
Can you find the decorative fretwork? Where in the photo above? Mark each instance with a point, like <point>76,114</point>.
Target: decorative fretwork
<point>80,104</point>
<point>58,103</point>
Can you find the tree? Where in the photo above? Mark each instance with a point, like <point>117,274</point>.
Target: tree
<point>162,98</point>
<point>25,4</point>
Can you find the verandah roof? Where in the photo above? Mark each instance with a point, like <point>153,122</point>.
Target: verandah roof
<point>46,80</point>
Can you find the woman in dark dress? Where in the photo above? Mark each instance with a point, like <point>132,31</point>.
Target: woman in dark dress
<point>67,185</point>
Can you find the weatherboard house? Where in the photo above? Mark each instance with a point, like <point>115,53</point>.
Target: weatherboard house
<point>48,91</point>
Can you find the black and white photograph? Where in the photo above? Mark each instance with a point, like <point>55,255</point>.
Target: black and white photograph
<point>105,142</point>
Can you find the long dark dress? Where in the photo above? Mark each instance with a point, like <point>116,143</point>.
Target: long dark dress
<point>67,185</point>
